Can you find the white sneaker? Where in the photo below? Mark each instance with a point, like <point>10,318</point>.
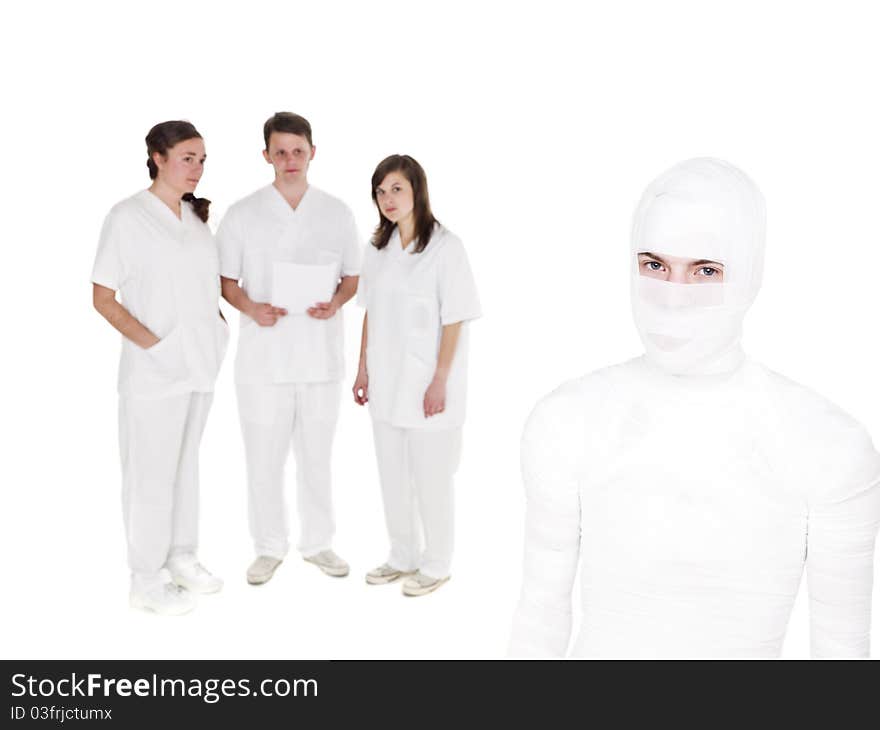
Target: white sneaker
<point>262,570</point>
<point>330,563</point>
<point>385,574</point>
<point>420,584</point>
<point>192,575</point>
<point>164,597</point>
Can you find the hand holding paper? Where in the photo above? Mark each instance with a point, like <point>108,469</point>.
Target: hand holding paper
<point>323,310</point>
<point>265,314</point>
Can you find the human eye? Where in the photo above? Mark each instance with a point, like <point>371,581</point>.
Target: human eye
<point>708,271</point>
<point>653,265</point>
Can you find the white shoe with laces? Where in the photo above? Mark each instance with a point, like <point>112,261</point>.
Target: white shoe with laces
<point>162,596</point>
<point>385,574</point>
<point>419,584</point>
<point>330,563</point>
<point>189,573</point>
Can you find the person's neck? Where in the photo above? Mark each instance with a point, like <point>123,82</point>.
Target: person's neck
<point>292,192</point>
<point>407,230</point>
<point>714,369</point>
<point>724,363</point>
<point>167,195</point>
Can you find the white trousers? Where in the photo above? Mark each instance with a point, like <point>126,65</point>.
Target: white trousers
<point>416,467</point>
<point>159,447</point>
<point>274,417</point>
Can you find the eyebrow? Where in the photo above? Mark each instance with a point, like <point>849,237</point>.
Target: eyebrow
<point>698,262</point>
<point>652,255</point>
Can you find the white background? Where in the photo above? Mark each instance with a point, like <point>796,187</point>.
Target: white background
<point>538,124</point>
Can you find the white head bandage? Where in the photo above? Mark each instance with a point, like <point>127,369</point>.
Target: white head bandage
<point>701,209</point>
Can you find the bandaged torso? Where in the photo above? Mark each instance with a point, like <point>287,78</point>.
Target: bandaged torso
<point>693,508</point>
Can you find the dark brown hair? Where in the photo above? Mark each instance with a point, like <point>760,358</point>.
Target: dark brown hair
<point>162,138</point>
<point>424,218</point>
<point>287,122</point>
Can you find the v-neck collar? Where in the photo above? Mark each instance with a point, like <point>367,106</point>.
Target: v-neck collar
<point>158,202</point>
<point>279,205</point>
<point>164,214</point>
<point>395,245</point>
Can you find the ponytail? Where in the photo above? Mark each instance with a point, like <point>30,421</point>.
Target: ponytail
<point>199,206</point>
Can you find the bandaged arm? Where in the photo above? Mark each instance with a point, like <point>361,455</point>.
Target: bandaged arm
<point>549,461</point>
<point>842,525</point>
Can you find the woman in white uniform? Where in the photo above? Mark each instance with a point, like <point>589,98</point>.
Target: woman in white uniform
<point>156,249</point>
<point>692,487</point>
<point>419,293</point>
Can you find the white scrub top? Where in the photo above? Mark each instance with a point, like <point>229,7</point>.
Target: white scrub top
<point>409,297</point>
<point>167,271</point>
<point>263,230</point>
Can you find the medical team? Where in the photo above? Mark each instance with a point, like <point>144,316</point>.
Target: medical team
<point>288,258</point>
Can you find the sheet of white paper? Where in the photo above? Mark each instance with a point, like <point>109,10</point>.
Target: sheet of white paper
<point>296,287</point>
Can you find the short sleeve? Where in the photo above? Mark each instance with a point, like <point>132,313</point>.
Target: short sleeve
<point>369,251</point>
<point>230,245</point>
<point>108,268</point>
<point>459,301</point>
<point>351,246</point>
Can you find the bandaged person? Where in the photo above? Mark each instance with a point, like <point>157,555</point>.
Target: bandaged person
<point>692,487</point>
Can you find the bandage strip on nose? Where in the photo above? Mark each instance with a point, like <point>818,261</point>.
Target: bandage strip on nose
<point>672,295</point>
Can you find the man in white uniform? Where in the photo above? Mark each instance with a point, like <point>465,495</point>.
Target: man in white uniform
<point>289,261</point>
<point>693,484</point>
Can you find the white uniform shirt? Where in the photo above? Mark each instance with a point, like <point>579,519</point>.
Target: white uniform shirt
<point>167,272</point>
<point>262,230</point>
<point>409,297</point>
<point>694,505</point>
